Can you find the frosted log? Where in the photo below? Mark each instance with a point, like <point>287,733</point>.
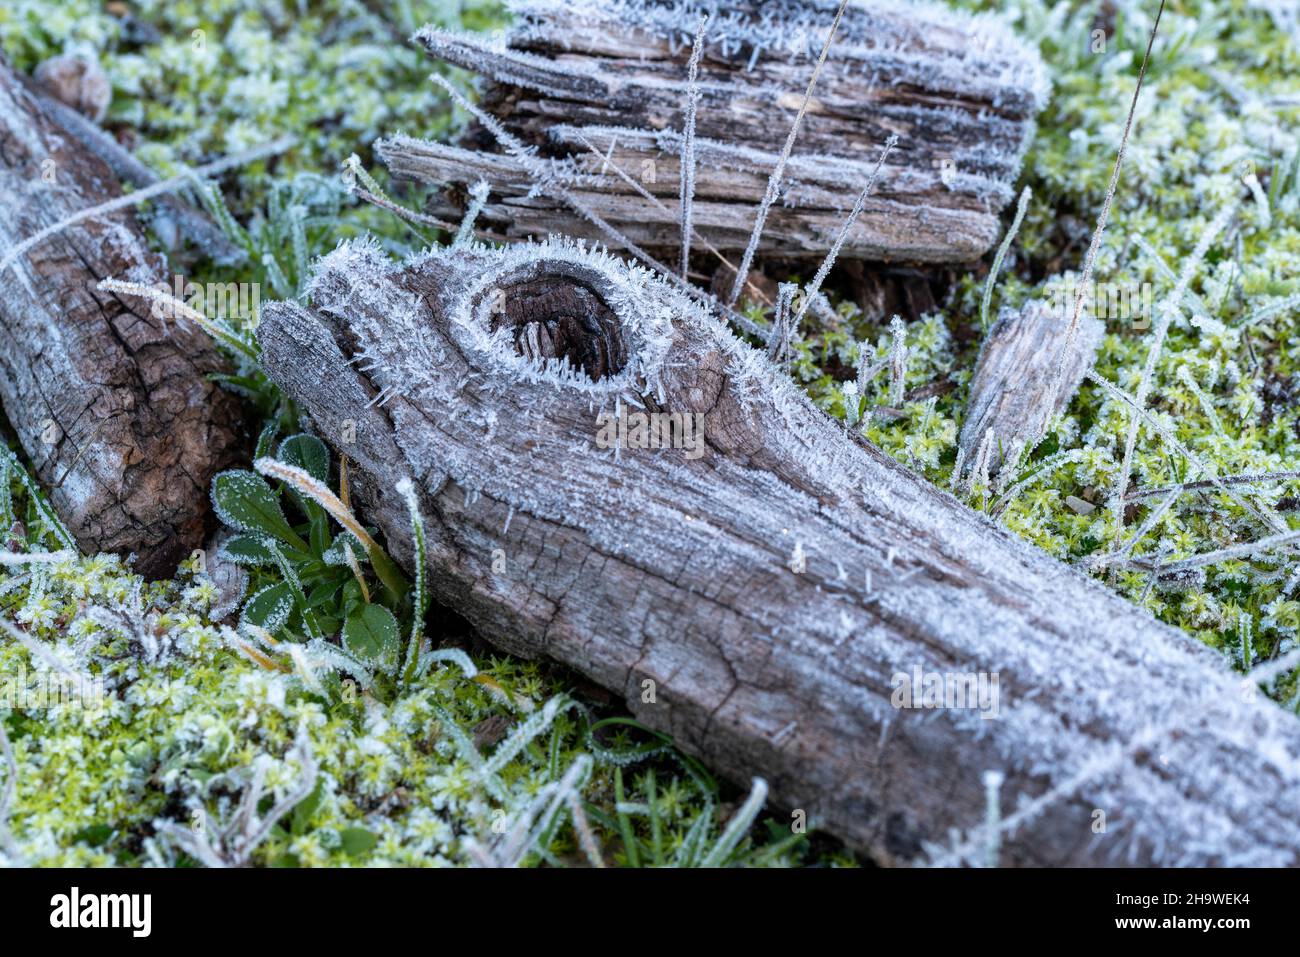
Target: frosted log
<point>112,406</point>
<point>760,594</point>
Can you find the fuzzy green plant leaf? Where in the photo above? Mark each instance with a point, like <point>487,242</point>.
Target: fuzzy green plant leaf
<point>247,549</point>
<point>372,634</point>
<point>356,841</point>
<point>269,607</point>
<point>6,497</point>
<point>308,453</point>
<point>246,503</point>
<point>336,554</point>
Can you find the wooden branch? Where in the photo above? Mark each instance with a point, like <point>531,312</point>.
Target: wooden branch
<point>601,86</point>
<point>112,406</point>
<point>757,590</point>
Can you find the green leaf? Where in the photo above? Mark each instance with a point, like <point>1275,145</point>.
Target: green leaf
<point>323,592</point>
<point>334,555</point>
<point>269,607</point>
<point>355,841</point>
<point>320,530</point>
<point>305,809</point>
<point>265,440</point>
<point>246,503</point>
<point>309,454</point>
<point>372,635</point>
<point>95,835</point>
<point>247,550</point>
<point>6,498</point>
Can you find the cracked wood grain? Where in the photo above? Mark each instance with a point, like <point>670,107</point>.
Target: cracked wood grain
<point>775,587</point>
<point>113,408</point>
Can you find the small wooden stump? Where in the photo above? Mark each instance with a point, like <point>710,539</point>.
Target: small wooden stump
<point>1027,372</point>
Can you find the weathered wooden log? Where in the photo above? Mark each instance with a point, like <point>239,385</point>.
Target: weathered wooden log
<point>759,585</point>
<point>600,88</point>
<point>112,405</point>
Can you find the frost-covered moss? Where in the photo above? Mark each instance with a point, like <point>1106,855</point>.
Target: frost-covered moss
<point>195,79</point>
<point>174,721</point>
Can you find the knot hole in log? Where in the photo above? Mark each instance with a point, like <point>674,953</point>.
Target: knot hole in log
<point>559,317</point>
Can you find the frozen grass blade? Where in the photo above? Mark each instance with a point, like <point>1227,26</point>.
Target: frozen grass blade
<point>738,826</point>
<point>1264,313</point>
<point>355,567</point>
<point>1245,479</point>
<point>1045,468</point>
<point>36,558</point>
<point>420,604</point>
<point>39,650</point>
<point>9,792</point>
<point>1090,258</point>
<point>525,732</point>
<point>824,269</point>
<point>453,655</point>
<point>216,329</point>
<point>688,143</point>
<point>149,192</point>
<point>309,486</point>
<point>996,268</point>
<point>992,816</point>
<point>783,326</point>
<point>1254,550</point>
<point>478,196</point>
<point>297,478</point>
<point>43,507</point>
<point>778,174</point>
<point>630,842</point>
<point>897,363</point>
<point>1207,406</point>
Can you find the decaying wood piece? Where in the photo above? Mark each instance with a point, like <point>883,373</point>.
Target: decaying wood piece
<point>173,218</point>
<point>756,590</point>
<point>1022,381</point>
<point>110,403</point>
<point>599,88</point>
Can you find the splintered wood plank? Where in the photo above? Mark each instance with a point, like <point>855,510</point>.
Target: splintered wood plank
<point>959,92</point>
